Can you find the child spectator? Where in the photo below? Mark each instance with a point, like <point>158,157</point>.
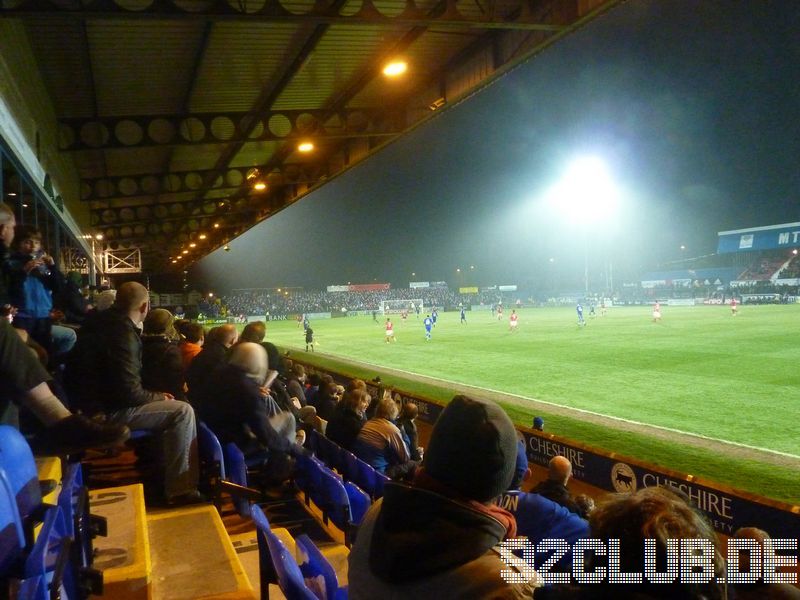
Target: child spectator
<point>33,277</point>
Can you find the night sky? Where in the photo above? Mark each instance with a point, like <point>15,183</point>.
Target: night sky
<point>693,106</point>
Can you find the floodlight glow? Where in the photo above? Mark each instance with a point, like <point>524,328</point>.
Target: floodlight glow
<point>396,68</point>
<point>305,147</point>
<point>586,193</point>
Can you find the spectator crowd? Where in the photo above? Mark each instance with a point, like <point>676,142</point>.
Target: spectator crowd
<point>448,507</point>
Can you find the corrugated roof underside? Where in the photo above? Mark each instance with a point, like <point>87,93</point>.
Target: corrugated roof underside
<point>240,60</point>
<point>142,67</point>
<point>255,153</point>
<point>60,52</point>
<point>426,58</point>
<point>341,53</point>
<point>199,156</point>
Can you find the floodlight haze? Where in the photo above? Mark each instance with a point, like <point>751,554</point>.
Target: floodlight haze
<point>691,106</point>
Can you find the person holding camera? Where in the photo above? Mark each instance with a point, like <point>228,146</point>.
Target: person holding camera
<point>32,279</point>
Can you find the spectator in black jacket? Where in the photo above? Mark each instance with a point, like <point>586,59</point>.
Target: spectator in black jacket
<point>327,400</point>
<point>295,383</point>
<point>104,374</point>
<point>200,372</point>
<point>348,418</point>
<point>555,487</point>
<point>162,367</point>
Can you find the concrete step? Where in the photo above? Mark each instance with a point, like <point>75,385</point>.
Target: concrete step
<point>193,557</point>
<point>124,555</point>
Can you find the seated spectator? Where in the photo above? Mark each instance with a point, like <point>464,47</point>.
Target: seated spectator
<point>201,370</point>
<point>192,340</point>
<point>348,418</point>
<point>650,513</point>
<point>24,384</point>
<point>275,359</point>
<point>62,340</point>
<point>253,332</point>
<point>407,425</point>
<point>105,300</point>
<point>32,279</point>
<point>69,299</point>
<point>380,443</point>
<point>238,410</point>
<point>555,486</point>
<point>295,384</point>
<point>104,374</point>
<point>315,380</point>
<point>539,518</point>
<point>327,400</point>
<point>760,590</point>
<point>435,538</point>
<point>162,367</point>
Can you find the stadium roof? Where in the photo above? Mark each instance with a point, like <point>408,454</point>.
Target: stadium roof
<point>770,237</point>
<point>174,109</point>
<point>764,228</point>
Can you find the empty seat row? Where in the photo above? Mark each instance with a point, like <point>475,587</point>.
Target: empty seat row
<point>352,468</point>
<point>341,502</point>
<point>314,578</point>
<point>44,549</point>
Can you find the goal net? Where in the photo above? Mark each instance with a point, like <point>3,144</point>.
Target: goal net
<point>395,307</point>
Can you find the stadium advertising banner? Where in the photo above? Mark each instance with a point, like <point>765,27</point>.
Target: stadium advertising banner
<point>468,290</point>
<point>772,237</point>
<point>418,284</point>
<point>369,287</point>
<point>507,288</point>
<point>338,288</point>
<point>727,510</point>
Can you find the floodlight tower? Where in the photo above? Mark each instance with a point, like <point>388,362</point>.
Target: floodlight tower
<point>586,194</point>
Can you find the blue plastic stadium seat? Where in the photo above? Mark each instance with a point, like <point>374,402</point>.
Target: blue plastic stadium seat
<point>366,478</point>
<point>224,469</point>
<point>318,574</point>
<point>12,537</point>
<point>210,451</point>
<point>330,453</point>
<point>359,502</point>
<point>380,481</point>
<point>33,565</point>
<point>276,562</point>
<point>312,441</point>
<point>16,459</point>
<point>335,503</point>
<point>307,476</point>
<point>236,468</point>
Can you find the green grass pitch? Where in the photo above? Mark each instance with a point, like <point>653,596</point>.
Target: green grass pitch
<point>699,370</point>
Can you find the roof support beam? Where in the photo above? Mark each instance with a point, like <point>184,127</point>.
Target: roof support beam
<point>448,17</point>
<point>137,131</point>
<point>105,189</point>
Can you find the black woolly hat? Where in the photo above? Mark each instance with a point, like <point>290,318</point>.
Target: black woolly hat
<point>473,449</point>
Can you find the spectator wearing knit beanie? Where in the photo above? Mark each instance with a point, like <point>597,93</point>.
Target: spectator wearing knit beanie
<point>437,537</point>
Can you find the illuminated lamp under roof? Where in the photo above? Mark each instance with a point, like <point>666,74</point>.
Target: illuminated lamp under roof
<point>395,68</point>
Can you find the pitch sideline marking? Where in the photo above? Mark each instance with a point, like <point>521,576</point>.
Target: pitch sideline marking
<point>591,412</point>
